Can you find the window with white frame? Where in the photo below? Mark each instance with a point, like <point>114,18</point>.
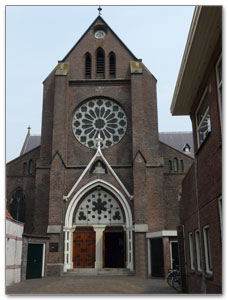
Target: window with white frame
<point>191,253</point>
<point>198,250</point>
<point>219,83</point>
<point>203,119</point>
<point>207,249</point>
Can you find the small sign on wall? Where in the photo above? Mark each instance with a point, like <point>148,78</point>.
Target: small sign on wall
<point>53,247</point>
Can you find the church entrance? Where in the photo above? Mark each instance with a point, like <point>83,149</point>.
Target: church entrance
<point>98,231</point>
<point>114,247</point>
<point>84,247</point>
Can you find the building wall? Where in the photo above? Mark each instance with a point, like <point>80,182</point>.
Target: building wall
<point>200,202</point>
<point>14,231</point>
<point>17,177</point>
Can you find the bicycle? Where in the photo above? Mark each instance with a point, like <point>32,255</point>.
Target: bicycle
<point>173,279</point>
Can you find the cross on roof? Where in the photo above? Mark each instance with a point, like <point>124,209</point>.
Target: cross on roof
<point>99,10</point>
<point>29,129</point>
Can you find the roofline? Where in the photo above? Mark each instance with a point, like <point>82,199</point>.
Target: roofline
<point>65,57</point>
<point>188,45</point>
<point>98,17</point>
<point>22,155</point>
<point>197,54</point>
<point>187,155</point>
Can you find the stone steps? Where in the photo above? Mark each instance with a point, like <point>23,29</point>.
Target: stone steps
<point>101,272</point>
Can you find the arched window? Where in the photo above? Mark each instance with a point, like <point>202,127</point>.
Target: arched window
<point>17,206</point>
<point>175,164</point>
<point>100,63</point>
<point>24,168</point>
<point>30,167</point>
<point>170,165</point>
<point>88,69</point>
<point>112,65</point>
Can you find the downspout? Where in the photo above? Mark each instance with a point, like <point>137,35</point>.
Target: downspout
<point>203,282</point>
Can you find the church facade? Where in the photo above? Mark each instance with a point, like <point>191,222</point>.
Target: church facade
<point>99,189</point>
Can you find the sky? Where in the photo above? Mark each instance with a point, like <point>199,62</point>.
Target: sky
<point>38,36</point>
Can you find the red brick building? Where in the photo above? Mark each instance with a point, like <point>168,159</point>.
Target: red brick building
<point>98,190</point>
<point>198,93</point>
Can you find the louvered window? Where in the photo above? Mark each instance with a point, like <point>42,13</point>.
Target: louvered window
<point>88,65</point>
<point>100,64</point>
<point>112,65</point>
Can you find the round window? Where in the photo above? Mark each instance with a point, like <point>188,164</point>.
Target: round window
<point>99,116</point>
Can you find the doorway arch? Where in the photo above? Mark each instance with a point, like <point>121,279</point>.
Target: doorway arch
<point>72,220</point>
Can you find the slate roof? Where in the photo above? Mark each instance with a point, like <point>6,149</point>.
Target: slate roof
<point>176,140</point>
<point>33,141</point>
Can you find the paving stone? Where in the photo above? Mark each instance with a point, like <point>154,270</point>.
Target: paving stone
<point>86,285</point>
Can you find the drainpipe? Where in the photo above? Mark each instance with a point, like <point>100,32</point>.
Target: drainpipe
<point>203,281</point>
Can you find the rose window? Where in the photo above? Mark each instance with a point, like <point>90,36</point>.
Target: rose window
<point>99,116</point>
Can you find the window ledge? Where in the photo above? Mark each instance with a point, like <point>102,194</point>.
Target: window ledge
<point>209,275</point>
<point>203,143</point>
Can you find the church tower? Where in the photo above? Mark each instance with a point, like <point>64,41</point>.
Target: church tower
<point>99,90</point>
<point>99,194</point>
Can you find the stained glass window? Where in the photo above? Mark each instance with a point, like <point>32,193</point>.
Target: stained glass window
<point>99,207</point>
<point>99,116</point>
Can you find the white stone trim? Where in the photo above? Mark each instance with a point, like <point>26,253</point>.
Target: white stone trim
<point>149,257</point>
<point>54,228</point>
<point>98,154</point>
<point>162,233</point>
<point>141,227</point>
<point>82,175</point>
<point>116,177</point>
<point>68,228</point>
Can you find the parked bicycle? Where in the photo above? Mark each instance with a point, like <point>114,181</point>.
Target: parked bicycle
<point>173,279</point>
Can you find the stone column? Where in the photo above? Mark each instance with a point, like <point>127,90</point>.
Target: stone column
<point>129,248</point>
<point>99,246</point>
<point>68,246</point>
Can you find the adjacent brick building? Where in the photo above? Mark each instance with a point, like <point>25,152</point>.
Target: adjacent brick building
<point>98,189</point>
<point>198,93</point>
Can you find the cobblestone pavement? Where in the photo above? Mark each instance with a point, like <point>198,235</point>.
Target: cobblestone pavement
<point>87,285</point>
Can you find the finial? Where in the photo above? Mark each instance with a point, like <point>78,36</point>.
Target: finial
<point>99,9</point>
<point>29,129</point>
<point>99,140</point>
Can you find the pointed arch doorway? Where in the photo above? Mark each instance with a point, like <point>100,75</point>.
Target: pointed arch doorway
<point>114,247</point>
<point>100,208</point>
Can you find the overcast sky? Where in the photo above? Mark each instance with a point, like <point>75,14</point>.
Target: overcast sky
<point>38,36</point>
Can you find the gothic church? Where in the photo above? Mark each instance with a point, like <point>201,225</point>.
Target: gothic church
<point>98,190</point>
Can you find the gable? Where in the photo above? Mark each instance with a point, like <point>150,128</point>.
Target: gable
<point>98,21</point>
<point>89,44</point>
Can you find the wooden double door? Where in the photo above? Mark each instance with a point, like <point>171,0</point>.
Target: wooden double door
<point>84,247</point>
<point>84,240</point>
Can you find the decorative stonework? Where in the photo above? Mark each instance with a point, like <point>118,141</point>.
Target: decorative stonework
<point>99,116</point>
<point>99,207</point>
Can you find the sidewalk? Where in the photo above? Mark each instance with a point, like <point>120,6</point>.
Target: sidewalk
<point>101,285</point>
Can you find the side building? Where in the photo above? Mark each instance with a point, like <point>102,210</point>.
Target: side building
<point>14,232</point>
<point>198,93</point>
